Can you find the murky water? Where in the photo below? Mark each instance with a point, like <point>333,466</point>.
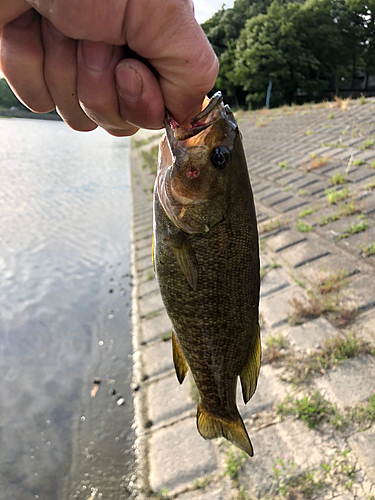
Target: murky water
<point>64,312</point>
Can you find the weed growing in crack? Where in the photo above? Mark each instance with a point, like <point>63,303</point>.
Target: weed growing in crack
<point>335,196</point>
<point>354,228</point>
<point>369,249</point>
<point>338,178</point>
<point>312,409</point>
<point>233,463</point>
<point>323,299</point>
<point>304,227</point>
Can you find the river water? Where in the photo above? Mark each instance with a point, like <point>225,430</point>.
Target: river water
<point>65,325</point>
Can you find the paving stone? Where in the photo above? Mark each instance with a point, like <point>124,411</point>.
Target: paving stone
<point>290,439</point>
<point>178,455</point>
<point>157,359</point>
<point>303,253</point>
<point>277,199</point>
<point>214,492</point>
<point>268,194</point>
<point>363,444</point>
<point>272,282</point>
<point>147,287</point>
<point>168,399</point>
<point>285,240</point>
<point>324,267</point>
<point>149,304</point>
<point>262,186</point>
<point>310,335</point>
<point>359,174</point>
<point>360,292</point>
<point>351,382</point>
<point>270,390</point>
<point>153,328</point>
<point>356,242</point>
<point>276,308</point>
<point>291,204</point>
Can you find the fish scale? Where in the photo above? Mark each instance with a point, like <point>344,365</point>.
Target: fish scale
<point>209,279</point>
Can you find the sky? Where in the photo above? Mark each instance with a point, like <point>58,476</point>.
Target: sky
<point>204,9</point>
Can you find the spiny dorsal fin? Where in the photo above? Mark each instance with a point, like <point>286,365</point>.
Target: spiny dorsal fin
<point>179,360</point>
<point>250,372</point>
<point>210,427</point>
<point>185,256</point>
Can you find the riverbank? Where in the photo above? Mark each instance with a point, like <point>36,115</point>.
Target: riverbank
<point>312,418</point>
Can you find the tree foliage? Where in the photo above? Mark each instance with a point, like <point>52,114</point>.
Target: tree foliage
<point>304,48</point>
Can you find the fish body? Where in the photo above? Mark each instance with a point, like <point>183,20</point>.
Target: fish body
<point>206,261</point>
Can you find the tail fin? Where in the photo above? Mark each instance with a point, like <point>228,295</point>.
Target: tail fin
<point>210,427</point>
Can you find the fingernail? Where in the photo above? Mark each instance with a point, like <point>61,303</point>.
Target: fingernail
<point>129,82</point>
<point>97,55</point>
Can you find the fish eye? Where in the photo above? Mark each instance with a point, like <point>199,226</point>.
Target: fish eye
<point>220,157</point>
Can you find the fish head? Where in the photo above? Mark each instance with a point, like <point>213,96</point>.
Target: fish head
<point>195,165</point>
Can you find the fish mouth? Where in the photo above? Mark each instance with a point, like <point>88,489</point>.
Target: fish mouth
<point>212,112</point>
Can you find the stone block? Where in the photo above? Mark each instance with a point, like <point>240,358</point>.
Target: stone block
<point>284,240</point>
<point>292,204</point>
<point>277,308</point>
<point>147,287</point>
<point>168,399</point>
<point>363,444</point>
<point>149,304</point>
<point>310,335</point>
<point>270,390</point>
<point>278,198</point>
<point>272,282</point>
<point>325,267</point>
<point>351,382</point>
<point>305,252</point>
<point>178,455</point>
<point>157,359</point>
<point>210,493</point>
<point>360,292</point>
<point>272,191</point>
<point>153,328</point>
<point>289,440</point>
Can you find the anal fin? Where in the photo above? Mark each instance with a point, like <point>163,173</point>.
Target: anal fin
<point>250,372</point>
<point>234,430</point>
<point>179,360</point>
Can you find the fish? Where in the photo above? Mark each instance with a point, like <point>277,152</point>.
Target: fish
<point>206,262</point>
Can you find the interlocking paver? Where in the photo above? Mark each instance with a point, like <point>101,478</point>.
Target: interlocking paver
<point>178,455</point>
<point>351,382</point>
<point>174,454</point>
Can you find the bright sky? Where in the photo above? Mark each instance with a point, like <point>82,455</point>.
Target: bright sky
<point>204,9</point>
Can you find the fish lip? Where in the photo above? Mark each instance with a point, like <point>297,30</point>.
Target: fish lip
<point>177,133</point>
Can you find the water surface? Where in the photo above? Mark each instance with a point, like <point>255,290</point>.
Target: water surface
<point>64,312</point>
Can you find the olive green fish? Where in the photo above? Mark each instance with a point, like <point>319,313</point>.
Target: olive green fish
<point>206,261</point>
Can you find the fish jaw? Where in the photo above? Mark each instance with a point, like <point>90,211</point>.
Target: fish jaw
<point>191,188</point>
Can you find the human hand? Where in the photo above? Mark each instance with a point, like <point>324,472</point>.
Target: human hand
<point>69,54</point>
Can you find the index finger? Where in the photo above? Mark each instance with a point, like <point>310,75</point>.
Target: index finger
<point>11,10</point>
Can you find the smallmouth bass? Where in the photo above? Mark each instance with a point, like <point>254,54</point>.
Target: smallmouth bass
<point>206,261</point>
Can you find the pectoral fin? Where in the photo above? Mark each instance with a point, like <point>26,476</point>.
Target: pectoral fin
<point>234,430</point>
<point>185,256</point>
<point>179,360</point>
<point>250,372</point>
